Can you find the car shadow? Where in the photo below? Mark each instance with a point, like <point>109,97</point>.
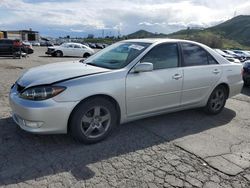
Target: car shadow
<point>48,56</point>
<point>24,156</point>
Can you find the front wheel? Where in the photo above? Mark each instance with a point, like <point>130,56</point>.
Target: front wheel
<point>86,55</point>
<point>216,101</point>
<point>58,53</point>
<point>93,120</point>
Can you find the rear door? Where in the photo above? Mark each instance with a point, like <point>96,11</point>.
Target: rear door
<point>78,50</point>
<point>201,73</point>
<point>6,47</point>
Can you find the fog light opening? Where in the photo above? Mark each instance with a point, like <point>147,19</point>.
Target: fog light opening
<point>32,124</point>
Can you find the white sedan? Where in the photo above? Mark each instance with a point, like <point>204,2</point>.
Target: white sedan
<point>70,49</point>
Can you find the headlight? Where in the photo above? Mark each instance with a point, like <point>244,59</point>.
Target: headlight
<point>41,92</point>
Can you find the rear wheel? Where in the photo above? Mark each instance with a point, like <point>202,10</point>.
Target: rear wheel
<point>93,120</point>
<point>217,100</point>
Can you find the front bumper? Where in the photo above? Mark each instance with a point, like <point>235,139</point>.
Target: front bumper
<point>50,51</point>
<point>43,117</point>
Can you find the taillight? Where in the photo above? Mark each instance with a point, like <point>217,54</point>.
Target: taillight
<point>242,71</point>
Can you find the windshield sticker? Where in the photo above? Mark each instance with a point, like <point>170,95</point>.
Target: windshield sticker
<point>137,47</point>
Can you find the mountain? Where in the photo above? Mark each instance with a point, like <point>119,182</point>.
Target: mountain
<point>237,28</point>
<point>145,34</point>
<point>234,33</point>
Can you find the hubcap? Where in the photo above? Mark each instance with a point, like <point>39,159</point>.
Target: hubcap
<point>217,100</point>
<point>95,122</point>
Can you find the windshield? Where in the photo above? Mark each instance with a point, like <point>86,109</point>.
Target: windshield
<point>117,55</point>
<point>64,45</point>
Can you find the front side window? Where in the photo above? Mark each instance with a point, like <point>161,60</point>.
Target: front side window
<point>163,56</point>
<point>194,55</point>
<point>117,55</point>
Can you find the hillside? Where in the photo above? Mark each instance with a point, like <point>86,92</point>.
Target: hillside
<point>234,33</point>
<point>145,34</point>
<point>237,28</point>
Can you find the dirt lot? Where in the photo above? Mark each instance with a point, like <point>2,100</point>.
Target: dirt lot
<point>184,149</point>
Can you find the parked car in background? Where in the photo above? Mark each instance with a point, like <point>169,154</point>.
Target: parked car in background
<point>28,47</point>
<point>35,43</point>
<point>15,48</point>
<point>105,45</point>
<point>227,56</point>
<point>237,56</point>
<point>126,81</point>
<point>70,49</point>
<point>92,45</point>
<point>99,46</point>
<point>243,54</point>
<point>246,72</point>
<point>46,43</point>
<point>86,44</point>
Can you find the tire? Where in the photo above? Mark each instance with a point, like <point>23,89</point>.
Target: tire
<point>216,101</point>
<point>58,53</point>
<point>246,83</point>
<point>86,55</point>
<point>93,120</point>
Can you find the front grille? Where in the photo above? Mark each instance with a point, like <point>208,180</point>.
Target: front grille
<point>50,50</point>
<point>20,88</point>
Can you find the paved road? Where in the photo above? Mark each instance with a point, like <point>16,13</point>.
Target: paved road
<point>183,149</point>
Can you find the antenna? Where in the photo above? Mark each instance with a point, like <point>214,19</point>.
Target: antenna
<point>235,13</point>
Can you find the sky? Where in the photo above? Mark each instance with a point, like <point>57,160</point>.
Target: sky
<point>78,18</point>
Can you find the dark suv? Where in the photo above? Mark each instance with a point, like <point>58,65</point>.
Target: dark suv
<point>246,72</point>
<point>13,48</point>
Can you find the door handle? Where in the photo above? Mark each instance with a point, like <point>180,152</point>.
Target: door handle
<point>216,71</point>
<point>177,76</point>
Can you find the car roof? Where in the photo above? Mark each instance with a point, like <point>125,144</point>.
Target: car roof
<point>158,40</point>
<point>74,43</point>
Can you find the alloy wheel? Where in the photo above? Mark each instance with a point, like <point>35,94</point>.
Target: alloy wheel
<point>95,122</point>
<point>217,100</point>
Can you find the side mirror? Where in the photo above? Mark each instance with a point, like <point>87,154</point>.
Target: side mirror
<point>143,67</point>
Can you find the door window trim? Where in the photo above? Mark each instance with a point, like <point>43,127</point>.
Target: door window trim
<point>178,55</point>
<point>207,54</point>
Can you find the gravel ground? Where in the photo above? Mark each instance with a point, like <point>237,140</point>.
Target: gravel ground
<point>184,149</point>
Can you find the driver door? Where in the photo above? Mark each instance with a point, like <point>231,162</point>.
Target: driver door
<point>160,89</point>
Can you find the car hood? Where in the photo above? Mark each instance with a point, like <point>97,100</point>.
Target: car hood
<point>56,72</point>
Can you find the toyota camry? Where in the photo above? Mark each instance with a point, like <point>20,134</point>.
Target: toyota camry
<point>126,81</point>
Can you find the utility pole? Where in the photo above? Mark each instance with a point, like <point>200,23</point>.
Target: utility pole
<point>235,13</point>
<point>103,33</point>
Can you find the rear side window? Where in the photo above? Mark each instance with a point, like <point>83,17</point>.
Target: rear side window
<point>6,42</point>
<point>9,41</point>
<point>211,60</point>
<point>194,55</point>
<point>163,56</point>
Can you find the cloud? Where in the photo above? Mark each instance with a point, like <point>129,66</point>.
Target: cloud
<point>85,16</point>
